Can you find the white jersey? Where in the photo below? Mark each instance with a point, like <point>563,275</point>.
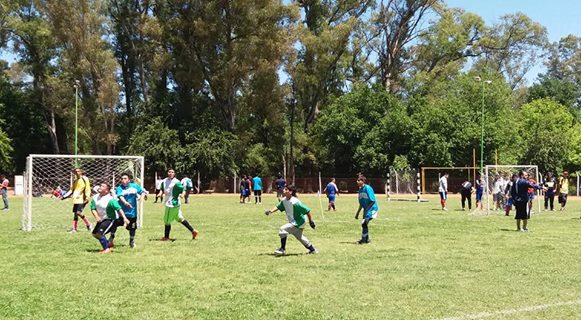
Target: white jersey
<point>101,203</point>
<point>168,185</point>
<point>443,185</point>
<point>158,184</point>
<point>499,186</point>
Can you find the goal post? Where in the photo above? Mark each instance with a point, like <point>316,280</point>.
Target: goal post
<point>47,175</point>
<point>403,185</point>
<point>492,172</point>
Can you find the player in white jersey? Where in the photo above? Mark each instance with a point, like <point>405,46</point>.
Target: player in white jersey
<point>173,190</point>
<point>443,190</point>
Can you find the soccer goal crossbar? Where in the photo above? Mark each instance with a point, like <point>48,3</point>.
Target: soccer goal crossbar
<point>47,175</point>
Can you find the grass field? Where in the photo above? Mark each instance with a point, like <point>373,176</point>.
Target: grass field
<point>423,263</point>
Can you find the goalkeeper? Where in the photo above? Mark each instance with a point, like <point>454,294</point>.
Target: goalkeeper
<point>295,213</point>
<point>81,193</point>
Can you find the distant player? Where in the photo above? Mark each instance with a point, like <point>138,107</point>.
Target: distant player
<point>173,189</point>
<point>509,200</point>
<point>295,213</point>
<point>187,183</point>
<point>550,183</point>
<point>4,189</point>
<point>331,191</point>
<point>443,191</point>
<point>129,194</point>
<point>498,192</point>
<point>257,188</point>
<point>531,192</point>
<point>81,194</point>
<point>563,189</point>
<point>520,195</point>
<point>368,204</point>
<point>244,189</point>
<point>280,183</point>
<point>466,193</point>
<point>479,191</point>
<point>158,194</point>
<point>106,210</point>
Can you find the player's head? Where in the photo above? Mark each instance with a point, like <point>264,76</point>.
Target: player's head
<point>171,173</point>
<point>514,176</point>
<point>290,191</point>
<point>565,173</point>
<point>104,189</point>
<point>445,174</point>
<point>125,179</point>
<point>361,180</point>
<point>78,172</point>
<point>523,174</point>
<point>332,179</point>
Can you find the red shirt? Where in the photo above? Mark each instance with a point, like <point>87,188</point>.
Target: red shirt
<point>531,180</point>
<point>5,183</point>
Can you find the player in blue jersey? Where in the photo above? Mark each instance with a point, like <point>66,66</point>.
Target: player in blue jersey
<point>257,188</point>
<point>331,191</point>
<point>280,183</point>
<point>187,183</point>
<point>129,194</point>
<point>368,203</point>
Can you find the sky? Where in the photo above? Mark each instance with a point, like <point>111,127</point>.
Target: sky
<point>560,17</point>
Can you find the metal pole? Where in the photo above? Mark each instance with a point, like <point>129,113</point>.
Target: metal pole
<point>76,117</point>
<point>482,131</point>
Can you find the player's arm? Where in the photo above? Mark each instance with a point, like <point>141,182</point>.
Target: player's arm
<point>87,190</point>
<point>311,222</point>
<point>160,193</point>
<point>125,202</point>
<point>94,211</point>
<point>279,207</point>
<point>358,211</point>
<point>125,220</point>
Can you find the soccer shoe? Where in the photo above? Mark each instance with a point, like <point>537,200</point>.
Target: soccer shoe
<point>89,227</point>
<point>364,241</point>
<point>132,244</point>
<point>108,250</point>
<point>194,234</point>
<point>72,230</point>
<point>314,251</point>
<point>279,252</point>
<point>164,239</point>
<point>445,209</point>
<point>525,230</point>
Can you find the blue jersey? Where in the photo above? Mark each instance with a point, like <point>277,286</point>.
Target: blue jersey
<point>280,183</point>
<point>256,183</point>
<point>331,189</point>
<point>130,193</point>
<point>367,196</point>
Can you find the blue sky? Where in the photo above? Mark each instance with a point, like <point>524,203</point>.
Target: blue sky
<point>560,17</point>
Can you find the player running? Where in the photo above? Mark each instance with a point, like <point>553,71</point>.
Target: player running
<point>331,191</point>
<point>369,205</point>
<point>173,189</point>
<point>106,211</point>
<point>81,194</point>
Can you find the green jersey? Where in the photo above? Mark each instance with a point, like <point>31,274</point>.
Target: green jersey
<point>172,189</point>
<point>106,206</point>
<point>295,211</point>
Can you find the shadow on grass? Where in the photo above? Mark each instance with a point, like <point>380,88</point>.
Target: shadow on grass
<point>286,255</point>
<point>93,250</point>
<point>349,242</point>
<point>508,230</point>
<point>159,240</point>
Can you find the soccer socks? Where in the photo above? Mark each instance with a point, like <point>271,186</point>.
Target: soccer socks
<point>87,223</point>
<point>111,236</point>
<point>75,223</point>
<point>364,231</point>
<point>167,231</point>
<point>104,242</point>
<point>310,247</point>
<point>259,199</point>
<point>283,243</point>
<point>443,202</point>
<point>188,225</point>
<point>131,236</point>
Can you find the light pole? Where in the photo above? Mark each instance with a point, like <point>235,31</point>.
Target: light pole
<point>477,78</point>
<point>76,85</point>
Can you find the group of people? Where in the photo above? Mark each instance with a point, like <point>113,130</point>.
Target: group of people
<point>518,191</point>
<point>248,183</point>
<point>112,208</point>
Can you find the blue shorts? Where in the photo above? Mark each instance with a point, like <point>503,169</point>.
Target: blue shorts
<point>443,195</point>
<point>509,203</point>
<point>331,198</point>
<point>371,214</point>
<point>479,195</point>
<point>531,196</point>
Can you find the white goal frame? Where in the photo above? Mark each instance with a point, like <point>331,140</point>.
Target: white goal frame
<point>517,167</point>
<point>29,183</point>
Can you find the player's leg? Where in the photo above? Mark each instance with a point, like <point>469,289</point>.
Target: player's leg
<point>100,232</point>
<point>169,216</point>
<point>463,196</point>
<point>469,198</point>
<point>75,220</point>
<point>186,224</point>
<point>283,234</point>
<point>132,228</point>
<point>298,233</point>
<point>5,198</point>
<point>259,196</point>
<point>552,202</point>
<point>365,231</point>
<point>80,208</point>
<point>255,196</point>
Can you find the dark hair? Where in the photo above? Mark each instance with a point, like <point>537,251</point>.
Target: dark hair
<point>361,177</point>
<point>127,174</point>
<point>292,189</point>
<point>521,173</point>
<point>108,185</point>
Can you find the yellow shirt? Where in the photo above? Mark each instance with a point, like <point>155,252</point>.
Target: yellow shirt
<point>81,190</point>
<point>563,185</point>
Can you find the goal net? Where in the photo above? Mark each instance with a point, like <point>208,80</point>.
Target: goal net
<point>403,185</point>
<point>48,175</point>
<point>496,178</point>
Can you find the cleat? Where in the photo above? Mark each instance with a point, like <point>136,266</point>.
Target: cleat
<point>194,234</point>
<point>108,250</point>
<point>279,252</point>
<point>164,239</point>
<point>315,251</point>
<point>131,244</point>
<point>363,241</point>
<point>71,231</point>
<point>445,209</point>
<point>525,229</point>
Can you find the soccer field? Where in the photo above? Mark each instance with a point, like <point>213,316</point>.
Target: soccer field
<point>423,263</point>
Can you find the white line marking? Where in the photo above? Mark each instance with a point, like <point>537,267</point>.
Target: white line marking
<point>539,307</point>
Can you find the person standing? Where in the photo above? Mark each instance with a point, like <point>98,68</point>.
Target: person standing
<point>509,201</point>
<point>187,183</point>
<point>563,189</point>
<point>280,183</point>
<point>106,211</point>
<point>129,194</point>
<point>173,190</point>
<point>466,193</point>
<point>550,183</point>
<point>295,212</point>
<point>257,188</point>
<point>331,191</point>
<point>498,192</point>
<point>443,190</point>
<point>368,204</point>
<point>520,195</point>
<point>479,191</point>
<point>81,194</point>
<point>158,194</point>
<point>4,189</point>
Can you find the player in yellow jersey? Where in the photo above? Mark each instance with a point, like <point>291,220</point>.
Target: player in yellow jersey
<point>81,194</point>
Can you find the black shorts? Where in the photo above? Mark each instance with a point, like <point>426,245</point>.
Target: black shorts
<point>105,226</point>
<point>562,198</point>
<point>78,207</point>
<point>132,223</point>
<point>522,210</point>
<point>258,193</point>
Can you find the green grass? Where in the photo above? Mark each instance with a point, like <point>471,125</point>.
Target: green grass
<point>423,264</point>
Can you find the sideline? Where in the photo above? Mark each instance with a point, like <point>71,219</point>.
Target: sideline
<point>539,307</point>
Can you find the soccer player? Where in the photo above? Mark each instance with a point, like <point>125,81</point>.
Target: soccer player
<point>106,211</point>
<point>520,195</point>
<point>509,201</point>
<point>369,205</point>
<point>332,191</point>
<point>498,192</point>
<point>563,189</point>
<point>173,189</point>
<point>466,193</point>
<point>81,194</point>
<point>187,183</point>
<point>129,194</point>
<point>443,191</point>
<point>295,213</point>
<point>280,183</point>
<point>550,183</point>
<point>157,190</point>
<point>244,189</point>
<point>257,188</point>
<point>4,190</point>
<point>479,191</point>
